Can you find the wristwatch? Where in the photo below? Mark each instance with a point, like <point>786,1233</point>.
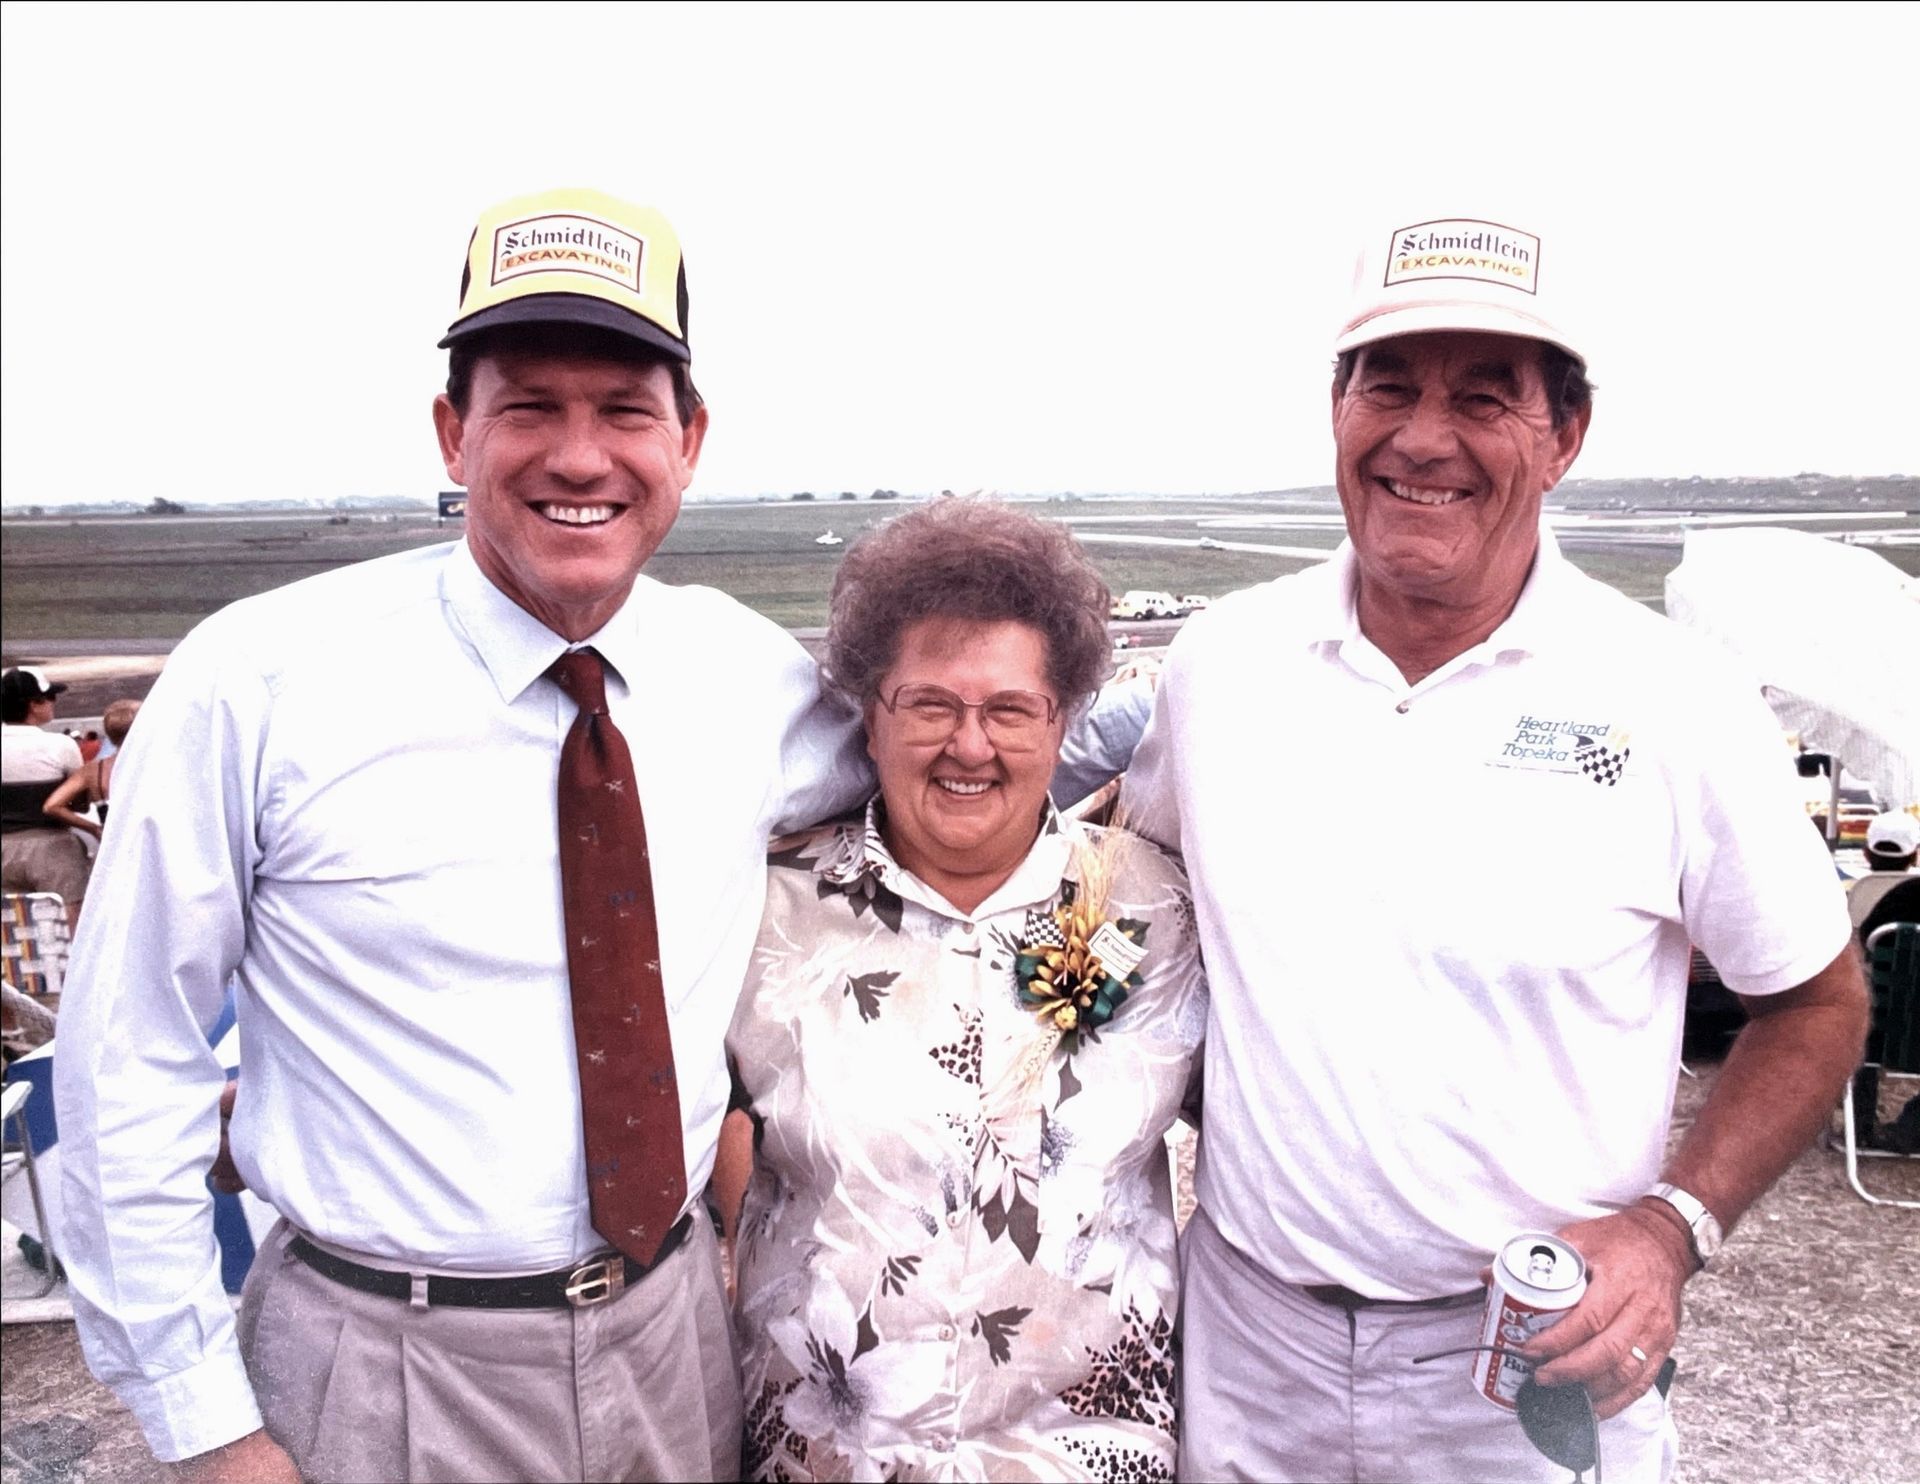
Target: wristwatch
<point>1702,1223</point>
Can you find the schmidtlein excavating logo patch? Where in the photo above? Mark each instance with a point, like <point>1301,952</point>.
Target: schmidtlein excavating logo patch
<point>565,243</point>
<point>1483,251</point>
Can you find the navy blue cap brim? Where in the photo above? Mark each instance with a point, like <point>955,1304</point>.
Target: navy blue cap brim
<point>569,309</point>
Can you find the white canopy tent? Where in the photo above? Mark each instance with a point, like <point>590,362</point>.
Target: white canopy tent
<point>1832,633</point>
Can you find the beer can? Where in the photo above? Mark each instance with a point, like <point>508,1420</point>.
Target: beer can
<point>1536,1278</point>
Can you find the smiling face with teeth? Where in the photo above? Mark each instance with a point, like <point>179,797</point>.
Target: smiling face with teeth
<point>963,813</point>
<point>1446,445</point>
<point>574,468</point>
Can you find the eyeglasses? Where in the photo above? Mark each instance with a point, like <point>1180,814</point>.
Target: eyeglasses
<point>1558,1420</point>
<point>1014,720</point>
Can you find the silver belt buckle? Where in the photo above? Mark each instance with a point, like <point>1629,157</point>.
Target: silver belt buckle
<point>596,1280</point>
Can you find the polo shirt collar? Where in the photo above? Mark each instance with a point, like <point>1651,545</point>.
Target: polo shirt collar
<point>516,648</point>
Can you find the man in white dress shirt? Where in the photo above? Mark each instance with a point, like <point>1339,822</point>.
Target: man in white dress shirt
<point>345,806</point>
<point>1406,1068</point>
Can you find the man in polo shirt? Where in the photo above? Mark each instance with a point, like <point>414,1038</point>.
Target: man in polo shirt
<point>442,1300</point>
<point>1406,1069</point>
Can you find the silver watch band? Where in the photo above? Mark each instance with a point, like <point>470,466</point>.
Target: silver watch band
<point>1702,1225</point>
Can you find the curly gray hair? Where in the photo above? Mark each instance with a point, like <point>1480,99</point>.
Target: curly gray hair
<point>975,560</point>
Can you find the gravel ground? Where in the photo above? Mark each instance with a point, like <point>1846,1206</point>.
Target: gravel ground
<point>1797,1358</point>
<point>1800,1347</point>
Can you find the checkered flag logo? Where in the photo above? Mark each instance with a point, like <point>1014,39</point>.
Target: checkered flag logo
<point>1042,931</point>
<point>1601,763</point>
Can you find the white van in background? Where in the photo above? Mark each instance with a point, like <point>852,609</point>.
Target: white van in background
<point>1142,603</point>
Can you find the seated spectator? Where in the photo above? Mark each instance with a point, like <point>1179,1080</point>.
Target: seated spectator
<point>89,746</point>
<point>1890,894</point>
<point>89,783</point>
<point>36,854</point>
<point>1893,840</point>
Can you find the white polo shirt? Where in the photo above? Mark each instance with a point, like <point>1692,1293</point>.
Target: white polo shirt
<point>1446,925</point>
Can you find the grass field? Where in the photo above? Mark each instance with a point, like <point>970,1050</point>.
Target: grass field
<point>153,578</point>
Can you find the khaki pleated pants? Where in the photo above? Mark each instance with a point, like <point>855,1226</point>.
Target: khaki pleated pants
<point>358,1387</point>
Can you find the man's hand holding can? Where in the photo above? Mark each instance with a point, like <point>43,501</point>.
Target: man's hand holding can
<point>1615,1339</point>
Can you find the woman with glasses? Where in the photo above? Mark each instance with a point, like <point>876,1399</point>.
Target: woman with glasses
<point>968,1025</point>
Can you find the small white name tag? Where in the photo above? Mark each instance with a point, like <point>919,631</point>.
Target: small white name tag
<point>1117,951</point>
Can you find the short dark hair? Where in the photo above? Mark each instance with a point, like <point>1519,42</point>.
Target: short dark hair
<point>587,342</point>
<point>19,692</point>
<point>1569,393</point>
<point>974,560</point>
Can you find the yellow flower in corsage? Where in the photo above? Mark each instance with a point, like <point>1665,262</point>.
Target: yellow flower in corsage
<point>1076,966</point>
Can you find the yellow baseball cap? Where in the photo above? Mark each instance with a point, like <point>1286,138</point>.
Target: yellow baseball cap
<point>575,257</point>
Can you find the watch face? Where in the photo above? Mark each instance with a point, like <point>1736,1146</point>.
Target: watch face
<point>1706,1236</point>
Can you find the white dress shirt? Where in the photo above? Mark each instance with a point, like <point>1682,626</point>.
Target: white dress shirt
<point>1448,957</point>
<point>343,800</point>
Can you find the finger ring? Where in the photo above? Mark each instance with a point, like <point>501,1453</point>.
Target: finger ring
<point>1638,1354</point>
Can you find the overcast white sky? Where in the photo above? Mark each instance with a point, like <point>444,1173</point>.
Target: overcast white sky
<point>1092,248</point>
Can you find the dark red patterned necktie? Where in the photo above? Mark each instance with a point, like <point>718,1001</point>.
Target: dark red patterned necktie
<point>629,1098</point>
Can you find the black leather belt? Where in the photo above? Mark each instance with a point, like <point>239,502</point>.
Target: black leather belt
<point>1346,1298</point>
<point>591,1282</point>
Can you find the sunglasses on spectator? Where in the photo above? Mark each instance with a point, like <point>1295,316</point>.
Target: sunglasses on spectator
<point>1558,1420</point>
<point>1014,720</point>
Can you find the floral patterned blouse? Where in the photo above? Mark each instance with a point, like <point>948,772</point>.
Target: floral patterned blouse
<point>956,1255</point>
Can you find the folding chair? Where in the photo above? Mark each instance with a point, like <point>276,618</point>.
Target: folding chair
<point>1893,1039</point>
<point>34,941</point>
<point>13,1119</point>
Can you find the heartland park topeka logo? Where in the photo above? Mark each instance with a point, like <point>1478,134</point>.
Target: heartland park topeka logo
<point>1557,745</point>
<point>1484,251</point>
<point>568,244</point>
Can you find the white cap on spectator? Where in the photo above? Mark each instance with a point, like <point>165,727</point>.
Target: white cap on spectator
<point>1894,834</point>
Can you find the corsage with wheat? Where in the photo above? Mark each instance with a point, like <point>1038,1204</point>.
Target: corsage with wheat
<point>1075,965</point>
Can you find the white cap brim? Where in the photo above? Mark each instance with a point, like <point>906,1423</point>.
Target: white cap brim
<point>1436,316</point>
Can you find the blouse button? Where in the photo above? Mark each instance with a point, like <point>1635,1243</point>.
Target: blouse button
<point>946,1331</point>
<point>967,928</point>
<point>954,1218</point>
